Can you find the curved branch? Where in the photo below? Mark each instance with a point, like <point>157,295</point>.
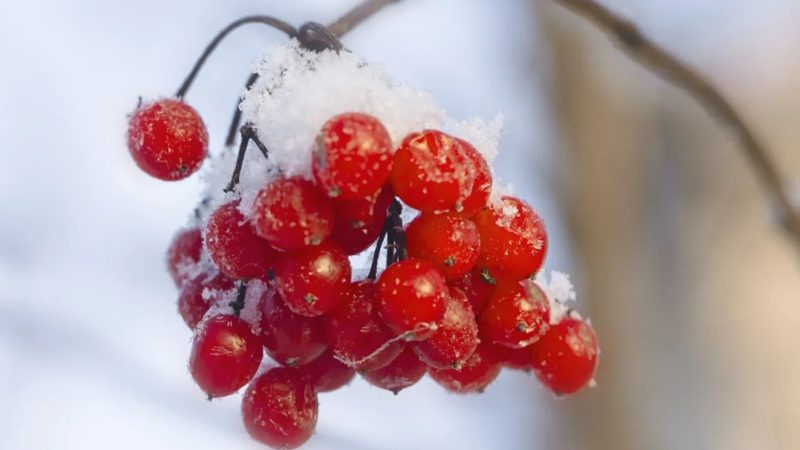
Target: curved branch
<point>357,15</point>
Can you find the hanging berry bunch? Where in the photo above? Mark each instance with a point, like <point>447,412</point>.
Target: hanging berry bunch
<point>304,249</point>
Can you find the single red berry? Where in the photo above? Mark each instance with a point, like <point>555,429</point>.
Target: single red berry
<point>184,255</point>
<point>517,315</point>
<point>565,358</point>
<point>327,373</point>
<point>280,408</point>
<point>225,355</point>
<point>290,338</point>
<point>412,296</point>
<point>292,214</point>
<point>357,335</point>
<point>455,338</point>
<point>353,156</point>
<point>475,374</point>
<point>513,239</point>
<point>478,198</point>
<point>432,173</point>
<point>450,242</point>
<point>167,139</point>
<point>199,293</point>
<point>515,358</point>
<point>311,281</point>
<point>234,246</point>
<point>401,373</point>
<point>358,223</point>
<point>479,288</point>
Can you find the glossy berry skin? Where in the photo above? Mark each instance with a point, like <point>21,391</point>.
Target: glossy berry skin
<point>515,358</point>
<point>565,358</point>
<point>290,339</point>
<point>513,239</point>
<point>352,156</point>
<point>449,242</point>
<point>478,198</point>
<point>517,316</point>
<point>292,214</point>
<point>432,173</point>
<point>475,374</point>
<point>199,293</point>
<point>327,373</point>
<point>167,139</point>
<point>225,355</point>
<point>280,408</point>
<point>358,223</point>
<point>455,338</point>
<point>478,287</point>
<point>183,255</point>
<point>234,246</point>
<point>357,335</point>
<point>311,281</point>
<point>401,373</point>
<point>412,298</point>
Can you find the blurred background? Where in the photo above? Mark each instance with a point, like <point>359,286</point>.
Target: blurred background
<point>694,293</point>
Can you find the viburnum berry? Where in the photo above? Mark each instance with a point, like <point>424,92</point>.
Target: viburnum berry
<point>353,156</point>
<point>449,242</point>
<point>289,338</point>
<point>199,293</point>
<point>311,281</point>
<point>565,358</point>
<point>357,335</point>
<point>517,315</point>
<point>234,246</point>
<point>515,358</point>
<point>292,214</point>
<point>280,408</point>
<point>477,372</point>
<point>183,254</point>
<point>412,298</point>
<point>167,139</point>
<point>358,223</point>
<point>478,198</point>
<point>432,172</point>
<point>478,287</point>
<point>225,355</point>
<point>327,373</point>
<point>455,338</point>
<point>513,239</point>
<point>401,373</point>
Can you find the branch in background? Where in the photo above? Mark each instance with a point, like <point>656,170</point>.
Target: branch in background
<point>669,67</point>
<point>357,15</point>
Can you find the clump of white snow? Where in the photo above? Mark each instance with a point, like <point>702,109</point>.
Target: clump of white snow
<point>559,291</point>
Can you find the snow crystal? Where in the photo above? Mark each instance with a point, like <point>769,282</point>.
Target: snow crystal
<point>485,137</point>
<point>559,291</point>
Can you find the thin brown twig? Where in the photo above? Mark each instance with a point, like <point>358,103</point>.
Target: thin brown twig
<point>357,15</point>
<point>660,61</point>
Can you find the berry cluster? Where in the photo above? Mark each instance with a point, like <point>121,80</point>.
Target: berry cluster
<point>456,298</point>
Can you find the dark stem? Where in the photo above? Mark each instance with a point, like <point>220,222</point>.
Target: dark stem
<point>266,20</point>
<point>238,304</point>
<point>397,229</point>
<point>373,269</point>
<point>233,130</point>
<point>390,246</point>
<point>248,134</point>
<point>357,15</point>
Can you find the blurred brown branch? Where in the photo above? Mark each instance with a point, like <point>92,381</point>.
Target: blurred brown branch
<point>357,15</point>
<point>669,67</point>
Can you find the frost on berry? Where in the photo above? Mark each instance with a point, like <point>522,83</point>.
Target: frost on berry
<point>478,196</point>
<point>412,296</point>
<point>289,338</point>
<point>559,291</point>
<point>199,294</point>
<point>517,315</point>
<point>401,373</point>
<point>565,358</point>
<point>167,139</point>
<point>327,373</point>
<point>449,242</point>
<point>455,338</point>
<point>234,246</point>
<point>477,372</point>
<point>183,255</point>
<point>358,223</point>
<point>479,288</point>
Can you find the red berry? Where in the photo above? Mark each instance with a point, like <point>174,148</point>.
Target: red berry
<point>517,315</point>
<point>327,373</point>
<point>478,198</point>
<point>234,246</point>
<point>199,293</point>
<point>515,358</point>
<point>225,355</point>
<point>280,408</point>
<point>474,375</point>
<point>353,156</point>
<point>432,173</point>
<point>356,333</point>
<point>478,287</point>
<point>455,338</point>
<point>513,239</point>
<point>311,281</point>
<point>565,358</point>
<point>290,338</point>
<point>412,296</point>
<point>358,223</point>
<point>401,373</point>
<point>451,243</point>
<point>292,214</point>
<point>184,254</point>
<point>167,139</point>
